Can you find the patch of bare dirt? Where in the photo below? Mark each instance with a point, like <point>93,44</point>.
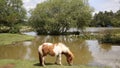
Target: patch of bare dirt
<point>8,66</point>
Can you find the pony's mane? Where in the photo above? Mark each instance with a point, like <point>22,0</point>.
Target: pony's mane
<point>61,45</point>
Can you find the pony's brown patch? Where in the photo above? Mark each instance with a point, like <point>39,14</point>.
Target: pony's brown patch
<point>48,49</point>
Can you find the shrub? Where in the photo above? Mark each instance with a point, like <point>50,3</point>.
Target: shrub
<point>14,29</point>
<point>109,37</point>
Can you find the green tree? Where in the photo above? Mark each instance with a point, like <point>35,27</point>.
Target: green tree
<point>57,16</point>
<point>12,13</point>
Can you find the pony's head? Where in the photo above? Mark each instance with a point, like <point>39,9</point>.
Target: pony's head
<point>66,51</point>
<point>69,57</point>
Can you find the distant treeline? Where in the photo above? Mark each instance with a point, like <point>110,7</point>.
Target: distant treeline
<point>106,19</point>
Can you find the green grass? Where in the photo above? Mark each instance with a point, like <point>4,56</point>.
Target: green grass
<point>35,64</point>
<point>7,38</point>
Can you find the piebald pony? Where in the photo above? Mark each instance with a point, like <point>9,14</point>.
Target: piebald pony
<point>54,50</point>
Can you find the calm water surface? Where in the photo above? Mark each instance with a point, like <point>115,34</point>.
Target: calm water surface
<point>88,52</point>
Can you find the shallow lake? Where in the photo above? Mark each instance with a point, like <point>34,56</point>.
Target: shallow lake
<point>86,52</point>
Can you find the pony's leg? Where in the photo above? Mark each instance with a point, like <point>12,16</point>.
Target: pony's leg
<point>43,61</point>
<point>40,58</point>
<point>56,61</point>
<point>60,58</point>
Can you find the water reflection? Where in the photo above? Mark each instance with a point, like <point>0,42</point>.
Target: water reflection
<point>27,43</point>
<point>28,52</point>
<point>85,51</point>
<point>12,51</point>
<point>106,47</point>
<point>104,54</point>
<point>32,33</point>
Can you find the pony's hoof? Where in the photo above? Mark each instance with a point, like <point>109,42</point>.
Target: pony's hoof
<point>55,62</point>
<point>70,64</point>
<point>58,64</point>
<point>43,65</point>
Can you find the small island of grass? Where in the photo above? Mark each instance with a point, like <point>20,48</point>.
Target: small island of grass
<point>7,38</point>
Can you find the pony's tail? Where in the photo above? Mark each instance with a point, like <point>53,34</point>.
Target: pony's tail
<point>40,58</point>
<point>40,54</point>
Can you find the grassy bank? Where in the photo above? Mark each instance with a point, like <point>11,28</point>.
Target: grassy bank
<point>7,38</point>
<point>7,63</point>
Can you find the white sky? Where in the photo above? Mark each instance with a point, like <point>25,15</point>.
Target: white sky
<point>105,5</point>
<point>98,5</point>
<point>30,4</point>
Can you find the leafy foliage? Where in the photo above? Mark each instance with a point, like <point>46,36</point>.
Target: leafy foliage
<point>57,16</point>
<point>11,13</point>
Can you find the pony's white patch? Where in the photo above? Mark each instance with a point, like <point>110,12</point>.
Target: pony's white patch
<point>63,47</point>
<point>59,48</point>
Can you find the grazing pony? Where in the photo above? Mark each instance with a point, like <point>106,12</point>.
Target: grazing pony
<point>54,50</point>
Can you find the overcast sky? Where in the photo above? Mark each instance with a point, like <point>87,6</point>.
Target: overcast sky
<point>98,5</point>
